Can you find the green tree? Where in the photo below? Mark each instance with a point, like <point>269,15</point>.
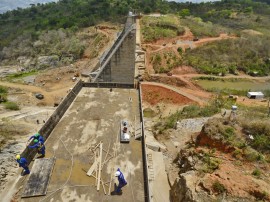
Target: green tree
<point>184,12</point>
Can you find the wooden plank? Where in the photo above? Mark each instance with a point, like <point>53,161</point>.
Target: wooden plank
<point>96,169</point>
<point>39,178</point>
<point>99,166</point>
<point>92,168</point>
<point>103,187</point>
<point>96,147</point>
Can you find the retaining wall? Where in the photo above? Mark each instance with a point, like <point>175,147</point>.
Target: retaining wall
<point>48,127</point>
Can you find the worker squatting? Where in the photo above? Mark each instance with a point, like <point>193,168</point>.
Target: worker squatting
<point>38,141</point>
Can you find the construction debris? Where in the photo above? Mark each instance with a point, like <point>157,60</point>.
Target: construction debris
<point>96,168</point>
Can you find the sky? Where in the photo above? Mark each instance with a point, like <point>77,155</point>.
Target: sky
<point>6,5</point>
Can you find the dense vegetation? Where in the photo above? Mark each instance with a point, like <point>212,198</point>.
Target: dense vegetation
<point>245,20</point>
<point>67,14</point>
<point>249,54</point>
<point>154,28</point>
<point>84,13</point>
<point>31,32</point>
<point>62,45</point>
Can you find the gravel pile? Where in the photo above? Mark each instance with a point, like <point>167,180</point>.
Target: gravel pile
<point>191,125</point>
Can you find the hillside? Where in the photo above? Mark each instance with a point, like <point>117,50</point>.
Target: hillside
<point>208,150</point>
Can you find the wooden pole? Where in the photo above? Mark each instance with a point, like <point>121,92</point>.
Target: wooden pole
<point>99,166</point>
<point>103,187</point>
<point>96,168</point>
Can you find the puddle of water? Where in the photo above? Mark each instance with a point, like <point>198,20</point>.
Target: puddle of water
<point>237,85</point>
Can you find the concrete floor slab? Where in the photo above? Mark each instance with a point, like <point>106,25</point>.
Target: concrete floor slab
<point>95,116</point>
<point>159,186</point>
<point>39,177</point>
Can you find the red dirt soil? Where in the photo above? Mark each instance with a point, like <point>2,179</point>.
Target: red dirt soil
<point>156,94</point>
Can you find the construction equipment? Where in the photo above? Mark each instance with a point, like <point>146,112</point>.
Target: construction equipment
<point>124,136</point>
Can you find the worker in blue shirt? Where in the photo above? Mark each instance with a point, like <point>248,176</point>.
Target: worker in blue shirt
<point>38,137</point>
<point>40,148</point>
<point>121,180</point>
<point>23,163</point>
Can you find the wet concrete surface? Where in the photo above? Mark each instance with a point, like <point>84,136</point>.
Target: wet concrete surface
<point>95,117</point>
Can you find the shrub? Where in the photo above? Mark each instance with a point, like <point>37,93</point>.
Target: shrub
<point>3,90</point>
<point>211,163</point>
<point>260,130</point>
<point>12,106</point>
<point>237,153</point>
<point>251,154</point>
<point>256,172</point>
<point>3,94</point>
<point>218,187</point>
<point>180,50</point>
<point>228,56</point>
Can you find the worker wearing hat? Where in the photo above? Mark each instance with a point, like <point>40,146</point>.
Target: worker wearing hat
<point>121,180</point>
<point>23,163</point>
<point>40,148</point>
<point>38,137</point>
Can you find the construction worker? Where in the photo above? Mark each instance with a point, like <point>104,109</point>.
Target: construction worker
<point>23,163</point>
<point>121,180</point>
<point>40,148</point>
<point>38,137</point>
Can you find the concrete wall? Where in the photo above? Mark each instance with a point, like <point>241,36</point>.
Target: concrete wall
<point>48,127</point>
<point>123,63</point>
<point>145,164</point>
<point>119,63</point>
<point>108,85</point>
<point>121,67</point>
<point>130,21</point>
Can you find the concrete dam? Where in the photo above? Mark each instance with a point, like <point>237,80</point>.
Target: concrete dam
<point>83,134</point>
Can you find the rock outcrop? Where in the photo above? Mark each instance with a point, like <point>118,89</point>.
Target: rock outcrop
<point>47,61</point>
<point>183,189</point>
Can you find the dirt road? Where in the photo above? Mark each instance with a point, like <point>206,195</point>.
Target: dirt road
<point>49,96</point>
